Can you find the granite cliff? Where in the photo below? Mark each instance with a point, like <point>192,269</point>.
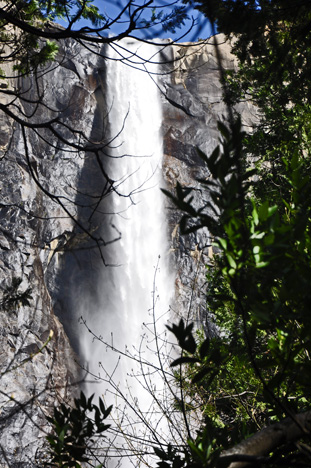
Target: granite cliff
<point>50,220</point>
<point>192,106</point>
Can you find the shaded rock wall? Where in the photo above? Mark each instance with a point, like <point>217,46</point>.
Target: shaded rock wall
<point>37,371</point>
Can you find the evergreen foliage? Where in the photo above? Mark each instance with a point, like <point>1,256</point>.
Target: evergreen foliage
<point>256,371</point>
<point>259,215</point>
<point>271,40</point>
<point>76,430</point>
<point>29,37</point>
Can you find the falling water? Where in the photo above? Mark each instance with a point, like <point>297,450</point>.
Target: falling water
<point>137,288</point>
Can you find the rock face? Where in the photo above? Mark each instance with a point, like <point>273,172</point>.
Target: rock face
<point>192,106</point>
<point>39,184</point>
<point>49,219</point>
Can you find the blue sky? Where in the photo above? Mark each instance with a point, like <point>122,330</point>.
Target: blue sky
<point>113,8</point>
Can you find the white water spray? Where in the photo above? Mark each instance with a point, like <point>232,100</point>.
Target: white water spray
<point>139,288</point>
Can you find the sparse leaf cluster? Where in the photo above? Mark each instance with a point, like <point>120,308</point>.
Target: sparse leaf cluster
<point>13,296</point>
<point>75,430</point>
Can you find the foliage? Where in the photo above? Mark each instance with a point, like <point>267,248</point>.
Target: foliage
<point>25,47</point>
<point>259,193</point>
<point>170,20</point>
<point>12,296</point>
<point>29,39</point>
<point>257,370</point>
<point>74,430</point>
<point>271,40</point>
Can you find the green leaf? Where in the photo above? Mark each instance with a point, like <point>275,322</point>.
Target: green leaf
<point>223,130</point>
<point>103,427</point>
<point>108,411</point>
<point>222,243</point>
<point>231,260</point>
<point>89,402</point>
<point>201,374</point>
<point>101,405</point>
<point>204,348</point>
<point>202,155</point>
<point>184,360</point>
<point>160,453</point>
<point>83,401</point>
<point>255,216</point>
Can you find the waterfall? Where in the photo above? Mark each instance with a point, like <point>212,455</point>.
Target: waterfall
<point>137,287</point>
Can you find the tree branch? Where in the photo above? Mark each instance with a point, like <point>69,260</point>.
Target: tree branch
<point>268,439</point>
